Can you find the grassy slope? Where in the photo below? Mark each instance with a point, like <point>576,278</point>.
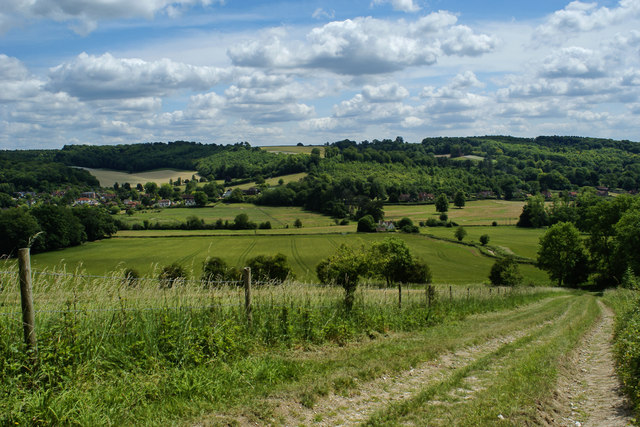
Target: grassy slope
<point>481,212</point>
<point>304,253</point>
<point>108,177</point>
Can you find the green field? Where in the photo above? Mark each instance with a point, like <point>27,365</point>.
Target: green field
<point>108,177</point>
<point>519,241</point>
<point>280,217</point>
<point>272,182</point>
<point>292,149</point>
<point>481,212</point>
<point>450,263</point>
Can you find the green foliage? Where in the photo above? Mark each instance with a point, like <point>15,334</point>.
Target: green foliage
<point>297,223</point>
<point>343,268</point>
<point>392,260</point>
<point>562,255</point>
<point>459,199</point>
<point>442,203</point>
<point>460,233</point>
<point>505,272</point>
<point>96,221</point>
<point>201,198</point>
<point>131,277</point>
<point>17,226</point>
<point>484,239</point>
<point>61,228</point>
<point>406,226</point>
<point>274,268</point>
<point>173,274</point>
<point>533,213</point>
<point>366,224</point>
<point>215,269</point>
<point>241,222</point>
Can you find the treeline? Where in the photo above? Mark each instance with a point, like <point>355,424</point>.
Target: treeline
<point>48,227</point>
<point>240,222</point>
<point>611,249</point>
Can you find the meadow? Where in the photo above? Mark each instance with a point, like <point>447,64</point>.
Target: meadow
<point>476,212</point>
<point>449,262</point>
<point>292,149</point>
<point>280,217</point>
<point>108,177</point>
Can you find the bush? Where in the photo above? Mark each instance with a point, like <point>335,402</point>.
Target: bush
<point>270,268</point>
<point>171,275</point>
<point>494,224</point>
<point>444,217</point>
<point>366,224</point>
<point>484,239</point>
<point>216,270</point>
<point>505,272</point>
<point>131,277</point>
<point>265,225</point>
<point>460,233</point>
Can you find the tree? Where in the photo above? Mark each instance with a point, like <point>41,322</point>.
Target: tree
<point>484,239</point>
<point>627,241</point>
<point>562,255</point>
<point>406,226</point>
<point>61,228</point>
<point>270,268</point>
<point>96,221</point>
<point>151,188</point>
<point>505,272</point>
<point>216,269</point>
<point>297,223</point>
<point>200,197</point>
<point>459,199</point>
<point>343,268</point>
<point>533,213</point>
<point>165,191</point>
<point>170,275</point>
<point>442,203</point>
<point>17,226</point>
<point>366,224</point>
<point>241,222</point>
<point>392,260</point>
<point>460,233</point>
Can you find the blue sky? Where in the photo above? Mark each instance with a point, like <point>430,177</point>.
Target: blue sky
<point>282,72</point>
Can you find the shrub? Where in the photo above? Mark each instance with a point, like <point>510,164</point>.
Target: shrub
<point>460,233</point>
<point>270,268</point>
<point>505,272</point>
<point>366,224</point>
<point>173,274</point>
<point>494,224</point>
<point>484,239</point>
<point>216,270</point>
<point>265,225</point>
<point>444,217</point>
<point>131,277</point>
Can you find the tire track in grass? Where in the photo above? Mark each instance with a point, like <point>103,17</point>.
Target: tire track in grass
<point>296,255</point>
<point>497,383</point>
<point>449,368</point>
<point>243,256</point>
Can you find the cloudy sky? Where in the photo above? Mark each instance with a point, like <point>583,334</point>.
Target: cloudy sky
<point>283,72</point>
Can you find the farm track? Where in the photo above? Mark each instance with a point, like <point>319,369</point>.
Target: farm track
<point>245,253</point>
<point>296,256</point>
<point>454,372</point>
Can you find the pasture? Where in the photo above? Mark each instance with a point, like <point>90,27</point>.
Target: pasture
<point>271,182</point>
<point>449,262</point>
<point>511,239</point>
<point>480,212</point>
<point>280,217</point>
<point>108,177</point>
<point>292,149</point>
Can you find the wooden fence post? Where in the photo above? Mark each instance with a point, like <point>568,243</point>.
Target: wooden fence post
<point>467,293</point>
<point>450,293</point>
<point>26,298</point>
<point>246,276</point>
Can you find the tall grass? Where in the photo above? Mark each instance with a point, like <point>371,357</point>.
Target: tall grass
<point>101,331</point>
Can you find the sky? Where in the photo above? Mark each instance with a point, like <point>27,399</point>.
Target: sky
<point>282,72</point>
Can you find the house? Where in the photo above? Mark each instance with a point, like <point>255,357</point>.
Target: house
<point>422,196</point>
<point>602,191</point>
<point>547,194</point>
<point>88,195</point>
<point>404,197</point>
<point>164,203</point>
<point>486,194</point>
<point>227,193</point>
<point>188,200</point>
<point>572,194</point>
<point>251,191</point>
<point>131,203</point>
<point>85,201</point>
<point>385,226</point>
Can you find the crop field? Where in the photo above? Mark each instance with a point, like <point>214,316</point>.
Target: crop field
<point>272,182</point>
<point>108,177</point>
<point>292,149</point>
<point>519,241</point>
<point>481,212</point>
<point>280,217</point>
<point>303,251</point>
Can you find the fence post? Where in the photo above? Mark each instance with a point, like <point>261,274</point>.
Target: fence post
<point>399,294</point>
<point>26,298</point>
<point>246,276</point>
<point>467,293</point>
<point>450,293</point>
<point>430,294</point>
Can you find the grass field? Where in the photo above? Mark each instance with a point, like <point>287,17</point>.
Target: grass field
<point>519,241</point>
<point>481,212</point>
<point>272,182</point>
<point>449,262</point>
<point>108,177</point>
<point>279,217</point>
<point>293,149</point>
